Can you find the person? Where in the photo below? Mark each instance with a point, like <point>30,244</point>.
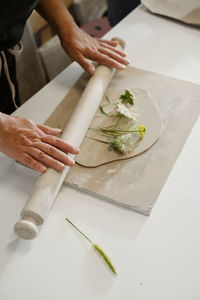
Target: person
<point>37,145</point>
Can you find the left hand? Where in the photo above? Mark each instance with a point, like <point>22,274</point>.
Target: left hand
<point>82,48</point>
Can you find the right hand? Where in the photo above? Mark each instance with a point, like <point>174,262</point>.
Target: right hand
<point>34,145</point>
<point>82,48</point>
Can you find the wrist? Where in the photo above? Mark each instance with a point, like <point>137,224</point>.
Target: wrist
<point>2,117</point>
<point>2,126</point>
<point>66,27</point>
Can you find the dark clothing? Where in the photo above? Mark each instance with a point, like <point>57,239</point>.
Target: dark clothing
<point>13,16</point>
<point>6,103</point>
<point>118,9</point>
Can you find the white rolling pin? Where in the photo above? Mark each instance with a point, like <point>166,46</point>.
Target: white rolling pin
<point>46,189</point>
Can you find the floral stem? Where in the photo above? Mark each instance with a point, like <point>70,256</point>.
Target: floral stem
<point>96,248</point>
<point>115,131</point>
<point>79,230</point>
<point>101,141</point>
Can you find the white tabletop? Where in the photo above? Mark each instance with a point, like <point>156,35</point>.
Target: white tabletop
<point>156,257</point>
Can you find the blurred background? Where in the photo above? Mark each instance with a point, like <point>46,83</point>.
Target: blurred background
<point>41,45</point>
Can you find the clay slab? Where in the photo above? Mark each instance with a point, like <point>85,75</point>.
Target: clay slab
<point>136,183</point>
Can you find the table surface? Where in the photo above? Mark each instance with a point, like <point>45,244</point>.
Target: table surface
<point>156,257</point>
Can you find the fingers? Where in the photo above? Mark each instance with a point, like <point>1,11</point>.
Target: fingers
<point>44,151</point>
<point>35,145</point>
<point>104,53</point>
<point>59,144</point>
<point>120,52</point>
<point>51,151</point>
<point>46,159</point>
<point>111,43</point>
<point>114,55</point>
<point>49,130</point>
<point>47,155</point>
<point>106,60</point>
<point>29,161</point>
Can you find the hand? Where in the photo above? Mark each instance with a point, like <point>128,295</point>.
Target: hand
<point>82,48</point>
<point>34,145</point>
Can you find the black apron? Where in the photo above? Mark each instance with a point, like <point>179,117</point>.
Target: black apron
<point>13,17</point>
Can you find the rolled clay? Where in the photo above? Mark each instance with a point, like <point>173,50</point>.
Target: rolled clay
<point>147,114</point>
<point>48,185</point>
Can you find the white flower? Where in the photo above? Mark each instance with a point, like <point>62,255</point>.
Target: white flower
<point>126,112</point>
<point>123,143</point>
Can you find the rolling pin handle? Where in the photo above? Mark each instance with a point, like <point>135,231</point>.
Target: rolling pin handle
<point>26,228</point>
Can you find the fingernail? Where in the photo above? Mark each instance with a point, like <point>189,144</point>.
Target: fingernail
<point>58,130</point>
<point>77,150</point>
<point>62,166</point>
<point>71,161</point>
<point>43,169</point>
<point>122,67</point>
<point>127,62</point>
<point>91,69</point>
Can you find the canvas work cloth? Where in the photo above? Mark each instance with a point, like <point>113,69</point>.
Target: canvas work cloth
<point>187,11</point>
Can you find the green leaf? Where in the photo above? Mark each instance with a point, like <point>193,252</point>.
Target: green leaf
<point>102,110</point>
<point>127,97</point>
<point>108,100</point>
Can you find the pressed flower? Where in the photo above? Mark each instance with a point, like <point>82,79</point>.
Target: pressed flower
<point>122,140</point>
<point>141,129</point>
<point>126,112</point>
<point>123,143</point>
<point>120,136</point>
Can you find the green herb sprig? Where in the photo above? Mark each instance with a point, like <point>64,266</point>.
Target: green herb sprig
<point>127,97</point>
<point>141,129</point>
<point>121,140</point>
<point>97,248</point>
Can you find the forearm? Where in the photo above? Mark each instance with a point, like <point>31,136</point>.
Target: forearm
<point>55,12</point>
<point>79,45</point>
<point>2,120</point>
